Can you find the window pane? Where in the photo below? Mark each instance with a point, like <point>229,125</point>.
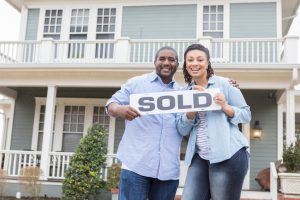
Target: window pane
<point>112,19</point>
<point>105,28</point>
<point>59,13</point>
<point>112,28</point>
<point>100,11</point>
<point>113,11</point>
<point>53,13</point>
<point>66,127</point>
<point>58,21</point>
<point>220,17</point>
<point>213,9</point>
<point>206,17</point>
<point>213,17</point>
<point>206,9</point>
<point>99,20</point>
<point>46,29</point>
<point>46,20</point>
<point>106,20</point>
<point>47,13</point>
<point>220,8</point>
<point>80,128</point>
<point>85,29</point>
<point>205,26</point>
<point>213,26</point>
<point>99,28</point>
<point>220,26</point>
<point>67,118</point>
<point>74,12</point>
<point>106,11</point>
<point>73,128</point>
<point>80,12</point>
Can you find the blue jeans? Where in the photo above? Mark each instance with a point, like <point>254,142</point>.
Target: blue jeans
<point>136,187</point>
<point>218,181</point>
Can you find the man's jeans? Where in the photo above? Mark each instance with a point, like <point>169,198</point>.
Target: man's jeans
<point>219,181</point>
<point>136,187</point>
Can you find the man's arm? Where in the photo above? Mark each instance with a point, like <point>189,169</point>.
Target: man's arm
<point>125,112</point>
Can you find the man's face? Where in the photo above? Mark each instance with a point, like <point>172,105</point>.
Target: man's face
<point>166,65</point>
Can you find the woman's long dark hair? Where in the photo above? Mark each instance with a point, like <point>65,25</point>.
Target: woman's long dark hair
<point>200,47</point>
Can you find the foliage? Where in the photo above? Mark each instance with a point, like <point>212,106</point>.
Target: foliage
<point>29,177</point>
<point>83,177</point>
<point>2,182</point>
<point>113,176</point>
<point>291,158</point>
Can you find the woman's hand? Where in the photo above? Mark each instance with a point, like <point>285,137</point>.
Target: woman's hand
<point>220,99</point>
<point>191,115</point>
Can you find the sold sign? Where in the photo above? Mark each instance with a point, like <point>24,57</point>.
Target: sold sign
<point>175,101</point>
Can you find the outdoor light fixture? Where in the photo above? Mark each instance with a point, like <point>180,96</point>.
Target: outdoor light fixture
<point>257,130</point>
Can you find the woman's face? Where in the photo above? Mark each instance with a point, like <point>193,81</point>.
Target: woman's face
<point>196,64</point>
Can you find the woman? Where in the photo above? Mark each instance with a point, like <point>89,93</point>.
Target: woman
<point>216,151</point>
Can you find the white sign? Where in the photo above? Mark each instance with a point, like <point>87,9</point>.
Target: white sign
<point>174,101</point>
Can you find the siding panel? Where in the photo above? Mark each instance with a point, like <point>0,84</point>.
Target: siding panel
<point>264,150</point>
<point>159,22</point>
<point>253,20</point>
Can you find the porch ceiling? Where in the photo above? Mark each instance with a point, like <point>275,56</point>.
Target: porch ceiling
<point>105,75</point>
<point>289,10</point>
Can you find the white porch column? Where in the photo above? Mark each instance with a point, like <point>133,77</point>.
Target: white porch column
<point>47,51</point>
<point>290,117</point>
<point>48,129</point>
<point>290,49</point>
<point>111,138</point>
<point>122,50</point>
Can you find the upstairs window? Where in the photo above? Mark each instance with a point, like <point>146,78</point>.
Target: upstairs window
<point>52,24</point>
<point>105,30</point>
<point>78,31</point>
<point>213,21</point>
<point>213,26</point>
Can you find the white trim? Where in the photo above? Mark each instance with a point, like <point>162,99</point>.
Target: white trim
<point>10,125</point>
<point>23,23</point>
<point>88,118</point>
<point>58,132</point>
<point>111,136</point>
<point>35,131</point>
<point>246,132</point>
<point>279,130</point>
<point>40,29</point>
<point>279,18</point>
<point>119,21</point>
<point>290,117</point>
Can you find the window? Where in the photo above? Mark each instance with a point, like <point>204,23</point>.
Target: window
<point>41,127</point>
<point>100,117</point>
<point>105,30</point>
<point>78,31</point>
<point>52,24</point>
<point>213,25</point>
<point>73,127</point>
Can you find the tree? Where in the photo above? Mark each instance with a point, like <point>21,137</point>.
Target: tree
<point>83,177</point>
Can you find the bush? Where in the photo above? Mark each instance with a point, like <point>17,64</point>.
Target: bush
<point>291,158</point>
<point>83,177</point>
<point>113,176</point>
<point>29,177</point>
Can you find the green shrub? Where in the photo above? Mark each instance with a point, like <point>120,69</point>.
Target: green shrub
<point>291,158</point>
<point>83,177</point>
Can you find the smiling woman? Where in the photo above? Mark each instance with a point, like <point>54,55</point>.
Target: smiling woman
<point>9,28</point>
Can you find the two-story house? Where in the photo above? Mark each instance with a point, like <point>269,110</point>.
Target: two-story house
<point>72,55</point>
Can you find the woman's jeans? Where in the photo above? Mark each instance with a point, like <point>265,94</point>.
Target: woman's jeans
<point>136,187</point>
<point>218,181</point>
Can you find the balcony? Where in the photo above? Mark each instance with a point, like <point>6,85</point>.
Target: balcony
<point>125,50</point>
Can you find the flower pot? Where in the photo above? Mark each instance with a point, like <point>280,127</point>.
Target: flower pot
<point>114,193</point>
<point>290,183</point>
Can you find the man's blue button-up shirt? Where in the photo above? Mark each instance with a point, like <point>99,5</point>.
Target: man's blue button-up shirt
<point>150,145</point>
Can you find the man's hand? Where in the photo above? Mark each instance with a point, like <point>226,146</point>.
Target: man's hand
<point>234,83</point>
<point>125,112</point>
<point>128,113</point>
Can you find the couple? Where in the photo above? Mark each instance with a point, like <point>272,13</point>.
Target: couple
<point>149,150</point>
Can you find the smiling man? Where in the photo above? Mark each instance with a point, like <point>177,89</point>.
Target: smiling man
<point>149,149</point>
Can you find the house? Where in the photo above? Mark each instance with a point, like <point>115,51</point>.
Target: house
<point>72,55</point>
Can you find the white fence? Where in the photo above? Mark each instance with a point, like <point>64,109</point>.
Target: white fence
<point>125,50</point>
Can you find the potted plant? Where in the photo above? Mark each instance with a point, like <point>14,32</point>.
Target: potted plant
<point>290,177</point>
<point>113,178</point>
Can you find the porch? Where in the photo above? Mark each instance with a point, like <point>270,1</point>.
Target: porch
<point>262,51</point>
<point>13,161</point>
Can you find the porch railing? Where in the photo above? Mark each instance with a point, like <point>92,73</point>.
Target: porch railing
<point>13,161</point>
<point>126,50</point>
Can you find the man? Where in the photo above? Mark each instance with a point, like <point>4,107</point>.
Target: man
<point>149,149</point>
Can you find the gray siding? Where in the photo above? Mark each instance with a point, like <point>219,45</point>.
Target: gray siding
<point>23,118</point>
<point>32,24</point>
<point>264,150</point>
<point>159,22</point>
<point>252,20</point>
